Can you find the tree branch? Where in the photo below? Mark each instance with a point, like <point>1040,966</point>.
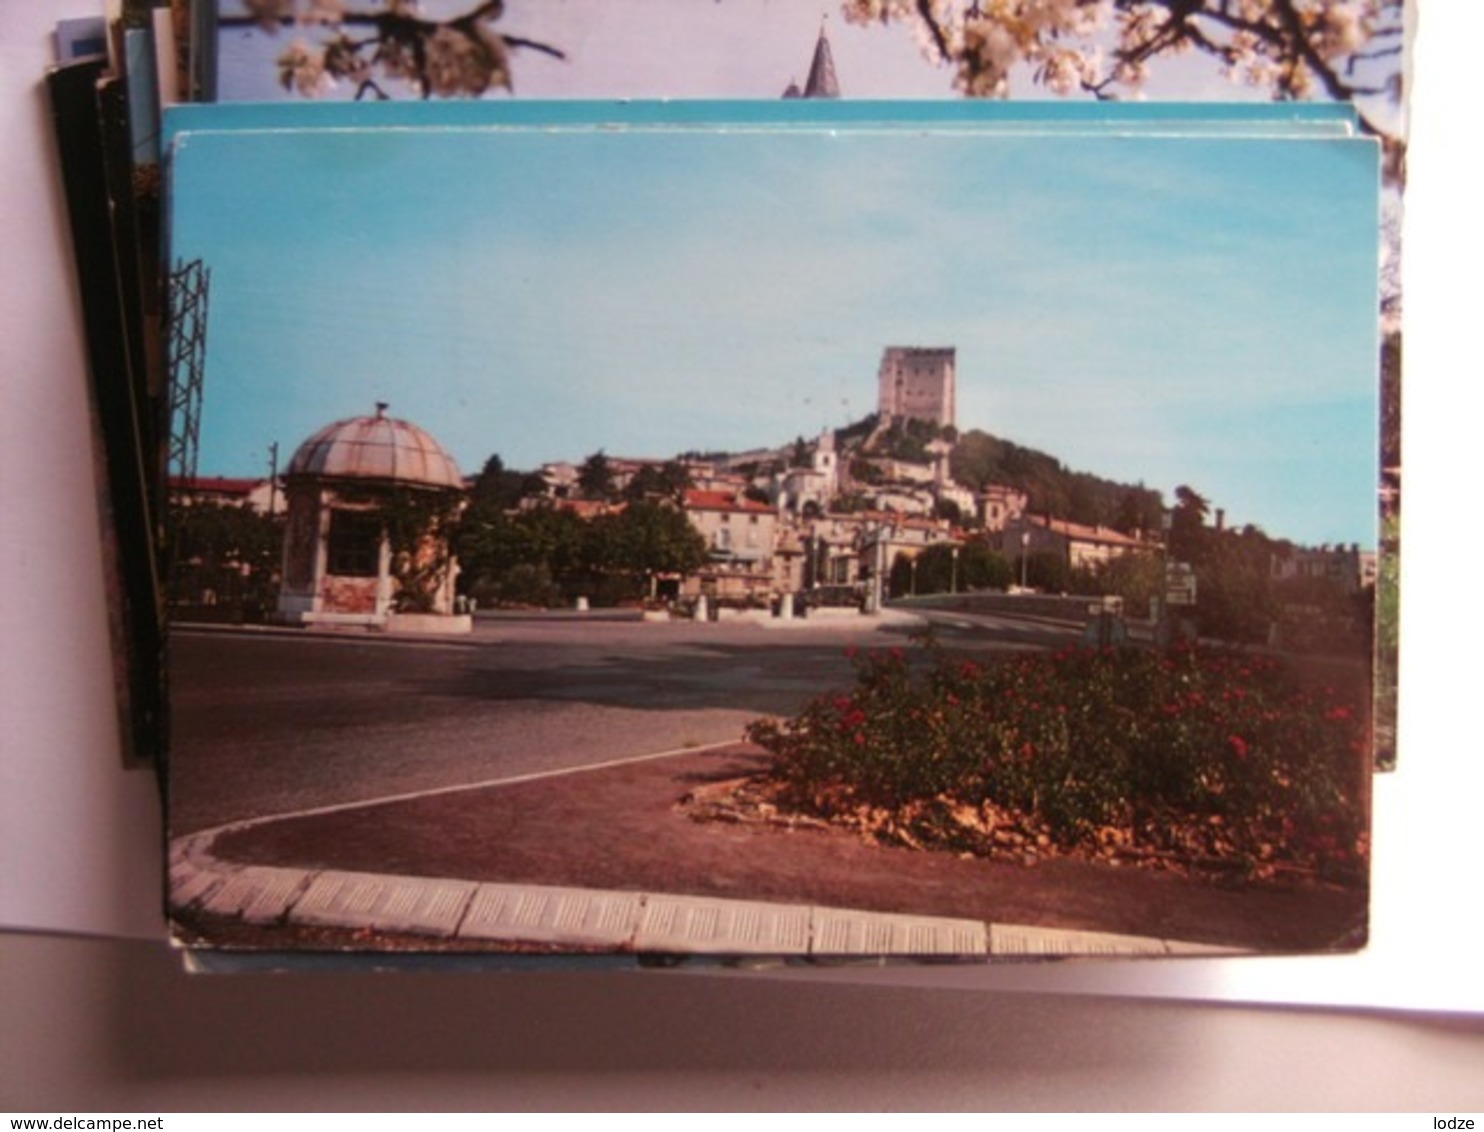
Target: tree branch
<point>940,40</point>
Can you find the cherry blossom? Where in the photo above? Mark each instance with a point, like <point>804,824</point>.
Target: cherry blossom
<point>1293,49</point>
<point>388,42</point>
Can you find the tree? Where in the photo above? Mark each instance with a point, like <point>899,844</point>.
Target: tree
<point>1391,400</point>
<point>498,488</point>
<point>1048,571</point>
<point>1139,510</point>
<point>1235,598</point>
<point>1188,525</point>
<point>419,526</point>
<point>936,567</point>
<point>645,538</point>
<point>226,554</point>
<point>1137,578</point>
<point>1296,49</point>
<point>980,568</point>
<point>949,510</point>
<point>668,481</point>
<point>975,461</point>
<point>498,549</point>
<point>379,45</point>
<point>595,477</point>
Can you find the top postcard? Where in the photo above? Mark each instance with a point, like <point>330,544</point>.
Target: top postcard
<point>804,542</point>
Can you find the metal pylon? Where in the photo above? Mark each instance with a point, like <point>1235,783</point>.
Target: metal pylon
<point>189,297</point>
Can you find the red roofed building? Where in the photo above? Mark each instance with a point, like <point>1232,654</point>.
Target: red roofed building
<point>1082,546</point>
<point>741,540</point>
<point>260,495</point>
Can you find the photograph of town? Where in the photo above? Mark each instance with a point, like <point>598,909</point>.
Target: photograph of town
<point>802,543</point>
<point>1288,56</point>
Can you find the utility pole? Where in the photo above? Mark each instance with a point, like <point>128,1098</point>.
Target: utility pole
<point>272,479</point>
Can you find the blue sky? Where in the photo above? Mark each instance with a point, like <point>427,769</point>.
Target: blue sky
<point>1171,311</point>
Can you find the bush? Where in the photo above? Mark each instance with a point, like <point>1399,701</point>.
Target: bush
<point>1083,742</point>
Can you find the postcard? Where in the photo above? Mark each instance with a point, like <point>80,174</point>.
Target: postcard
<point>803,543</point>
<point>1095,55</point>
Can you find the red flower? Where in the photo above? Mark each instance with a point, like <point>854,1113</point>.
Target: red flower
<point>1238,745</point>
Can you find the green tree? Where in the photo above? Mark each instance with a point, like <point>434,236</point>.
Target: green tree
<point>949,510</point>
<point>1139,510</point>
<point>936,569</point>
<point>595,477</point>
<point>982,569</point>
<point>645,538</point>
<point>420,531</point>
<point>667,481</point>
<point>1188,525</point>
<point>902,580</point>
<point>1235,595</point>
<point>976,460</point>
<point>544,543</point>
<point>231,554</point>
<point>498,488</point>
<point>1048,572</point>
<point>1137,578</point>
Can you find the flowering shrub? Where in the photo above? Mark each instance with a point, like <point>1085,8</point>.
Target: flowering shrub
<point>1190,755</point>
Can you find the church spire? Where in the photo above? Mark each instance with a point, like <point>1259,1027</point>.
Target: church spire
<point>821,82</point>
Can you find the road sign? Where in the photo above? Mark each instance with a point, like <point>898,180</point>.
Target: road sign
<point>1179,583</point>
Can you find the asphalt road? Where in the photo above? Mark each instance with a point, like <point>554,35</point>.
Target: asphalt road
<point>279,722</point>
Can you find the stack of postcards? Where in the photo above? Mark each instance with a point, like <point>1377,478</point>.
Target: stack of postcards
<point>651,518</point>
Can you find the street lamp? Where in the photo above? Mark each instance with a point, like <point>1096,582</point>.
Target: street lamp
<point>1025,553</point>
<point>1162,621</point>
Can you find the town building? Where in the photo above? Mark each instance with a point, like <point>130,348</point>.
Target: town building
<point>741,542</point>
<point>1348,568</point>
<point>1000,505</point>
<point>1079,545</point>
<point>918,383</point>
<point>352,490</point>
<point>262,495</point>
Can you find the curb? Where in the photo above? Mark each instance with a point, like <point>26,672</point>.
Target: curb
<point>452,909</point>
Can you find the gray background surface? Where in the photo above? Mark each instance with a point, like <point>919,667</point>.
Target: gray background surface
<point>98,1014</point>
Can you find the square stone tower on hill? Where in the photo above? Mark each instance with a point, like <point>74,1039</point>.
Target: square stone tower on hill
<point>919,383</point>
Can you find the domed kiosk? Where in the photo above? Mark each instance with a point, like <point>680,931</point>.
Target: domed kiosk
<point>370,501</point>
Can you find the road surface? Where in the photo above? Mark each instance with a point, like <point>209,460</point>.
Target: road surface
<point>269,722</point>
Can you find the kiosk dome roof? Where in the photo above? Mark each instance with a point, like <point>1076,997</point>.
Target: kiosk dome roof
<point>378,448</point>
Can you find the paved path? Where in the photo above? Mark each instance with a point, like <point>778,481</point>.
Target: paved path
<point>604,859</point>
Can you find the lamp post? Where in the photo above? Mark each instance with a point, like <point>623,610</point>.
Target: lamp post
<point>873,595</point>
<point>1162,621</point>
<point>1025,554</point>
